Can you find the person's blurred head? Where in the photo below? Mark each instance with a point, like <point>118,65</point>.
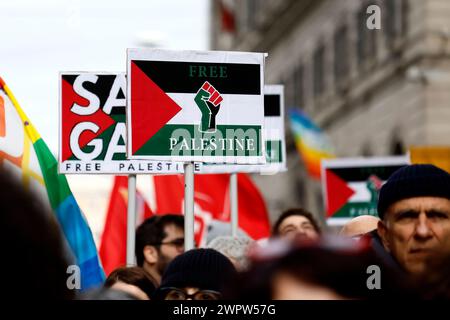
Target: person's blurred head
<point>198,274</point>
<point>159,240</point>
<point>133,280</point>
<point>234,248</point>
<point>359,226</point>
<point>217,228</point>
<point>104,293</point>
<point>328,268</point>
<point>34,260</point>
<point>414,205</point>
<point>294,222</point>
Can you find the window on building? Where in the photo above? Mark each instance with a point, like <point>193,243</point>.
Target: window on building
<point>293,88</point>
<point>318,71</point>
<point>341,62</point>
<point>361,35</point>
<point>394,19</point>
<point>289,91</point>
<point>319,204</point>
<point>366,43</point>
<point>397,147</point>
<point>300,190</point>
<point>403,16</point>
<point>299,99</point>
<point>366,150</point>
<point>253,7</point>
<point>241,17</point>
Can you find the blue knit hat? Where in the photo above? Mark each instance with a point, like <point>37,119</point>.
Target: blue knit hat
<point>417,180</point>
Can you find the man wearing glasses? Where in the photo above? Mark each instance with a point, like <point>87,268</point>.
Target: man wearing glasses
<point>159,240</point>
<point>197,274</point>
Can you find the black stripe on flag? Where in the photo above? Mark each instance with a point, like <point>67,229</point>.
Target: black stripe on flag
<point>363,173</point>
<point>101,88</point>
<point>188,77</point>
<point>272,105</point>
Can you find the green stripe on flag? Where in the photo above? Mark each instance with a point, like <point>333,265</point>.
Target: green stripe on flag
<point>187,140</point>
<point>354,209</point>
<point>274,153</point>
<point>57,187</point>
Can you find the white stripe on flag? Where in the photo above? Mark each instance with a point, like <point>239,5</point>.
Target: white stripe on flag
<point>236,109</point>
<point>362,194</point>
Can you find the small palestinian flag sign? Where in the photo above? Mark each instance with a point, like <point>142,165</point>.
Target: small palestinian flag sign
<point>195,106</point>
<point>351,185</point>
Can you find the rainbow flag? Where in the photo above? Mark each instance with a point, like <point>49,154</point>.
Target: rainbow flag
<point>23,151</point>
<point>310,141</point>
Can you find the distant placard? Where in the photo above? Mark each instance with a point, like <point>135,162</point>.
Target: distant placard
<point>436,155</point>
<point>92,127</point>
<point>351,185</point>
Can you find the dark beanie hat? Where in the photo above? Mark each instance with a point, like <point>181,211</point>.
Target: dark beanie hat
<point>202,268</point>
<point>417,180</point>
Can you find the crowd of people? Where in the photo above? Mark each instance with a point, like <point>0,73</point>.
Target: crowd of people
<point>405,252</point>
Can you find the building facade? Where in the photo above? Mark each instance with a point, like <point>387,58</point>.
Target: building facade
<point>375,92</point>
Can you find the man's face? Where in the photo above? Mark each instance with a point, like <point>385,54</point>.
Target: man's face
<point>168,250</point>
<point>417,231</point>
<point>292,226</point>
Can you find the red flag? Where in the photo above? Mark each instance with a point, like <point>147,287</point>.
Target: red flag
<point>113,244</point>
<point>212,200</point>
<point>227,16</point>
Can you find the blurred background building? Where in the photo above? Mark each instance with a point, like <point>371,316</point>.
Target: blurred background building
<point>374,92</point>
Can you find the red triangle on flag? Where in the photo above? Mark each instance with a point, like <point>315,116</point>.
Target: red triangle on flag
<point>338,192</point>
<point>151,108</point>
<point>70,119</point>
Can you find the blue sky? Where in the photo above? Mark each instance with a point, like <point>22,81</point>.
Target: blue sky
<point>41,38</point>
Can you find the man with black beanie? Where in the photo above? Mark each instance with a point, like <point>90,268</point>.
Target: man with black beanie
<point>198,274</point>
<point>414,207</point>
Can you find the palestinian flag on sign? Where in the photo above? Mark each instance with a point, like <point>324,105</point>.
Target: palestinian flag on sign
<point>97,87</point>
<point>351,186</point>
<point>195,106</point>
